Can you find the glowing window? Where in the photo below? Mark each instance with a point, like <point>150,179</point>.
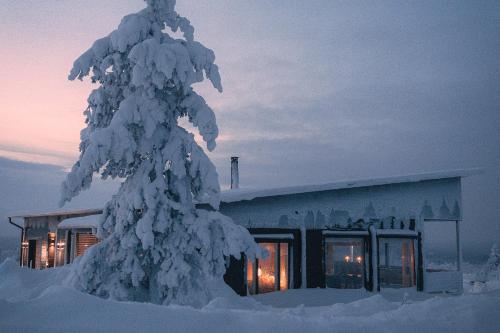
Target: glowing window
<point>83,242</point>
<point>270,273</point>
<point>344,263</point>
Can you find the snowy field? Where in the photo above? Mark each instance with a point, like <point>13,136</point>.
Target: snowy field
<point>38,301</point>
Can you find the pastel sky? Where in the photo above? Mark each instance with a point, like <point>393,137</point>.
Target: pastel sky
<point>314,90</point>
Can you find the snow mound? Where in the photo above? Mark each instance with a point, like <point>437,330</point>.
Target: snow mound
<point>21,283</point>
<point>235,303</point>
<point>38,301</point>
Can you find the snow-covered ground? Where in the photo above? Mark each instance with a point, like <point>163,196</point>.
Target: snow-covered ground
<point>38,301</point>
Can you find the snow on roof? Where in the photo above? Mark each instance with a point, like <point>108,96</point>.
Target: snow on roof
<point>235,195</point>
<point>90,221</point>
<point>61,213</point>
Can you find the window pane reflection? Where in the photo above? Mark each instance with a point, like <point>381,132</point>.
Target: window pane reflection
<point>397,263</point>
<point>344,263</point>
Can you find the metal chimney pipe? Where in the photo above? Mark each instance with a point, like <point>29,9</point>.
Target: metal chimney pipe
<point>235,175</point>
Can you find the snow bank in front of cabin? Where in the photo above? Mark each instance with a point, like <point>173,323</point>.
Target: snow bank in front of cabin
<point>38,301</point>
<point>19,284</point>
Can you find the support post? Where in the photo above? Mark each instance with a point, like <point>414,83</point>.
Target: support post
<point>374,258</point>
<point>420,264</point>
<point>303,261</point>
<point>459,247</point>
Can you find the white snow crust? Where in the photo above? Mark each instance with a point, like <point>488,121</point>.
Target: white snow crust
<point>91,221</point>
<point>40,301</point>
<point>252,193</point>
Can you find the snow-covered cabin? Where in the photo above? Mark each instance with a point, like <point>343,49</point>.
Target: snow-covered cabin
<point>353,234</point>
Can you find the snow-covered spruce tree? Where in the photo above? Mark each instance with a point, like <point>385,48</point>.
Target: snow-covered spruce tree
<point>492,268</point>
<point>157,246</point>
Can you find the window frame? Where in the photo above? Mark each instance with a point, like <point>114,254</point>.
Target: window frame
<point>365,238</point>
<point>415,242</point>
<point>278,241</point>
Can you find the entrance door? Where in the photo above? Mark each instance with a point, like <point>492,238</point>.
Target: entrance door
<point>32,253</point>
<point>344,263</point>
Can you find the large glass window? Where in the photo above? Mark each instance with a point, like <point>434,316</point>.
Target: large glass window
<point>83,242</point>
<point>270,273</point>
<point>396,262</point>
<point>441,245</point>
<point>344,263</point>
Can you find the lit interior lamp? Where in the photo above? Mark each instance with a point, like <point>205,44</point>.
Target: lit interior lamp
<point>358,259</point>
<point>347,258</point>
<point>265,278</point>
<point>52,239</point>
<point>25,244</point>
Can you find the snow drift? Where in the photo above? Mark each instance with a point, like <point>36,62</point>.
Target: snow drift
<point>38,301</point>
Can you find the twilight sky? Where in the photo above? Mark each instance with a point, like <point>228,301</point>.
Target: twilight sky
<point>314,91</point>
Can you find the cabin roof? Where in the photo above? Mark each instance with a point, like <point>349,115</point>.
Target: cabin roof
<point>90,221</point>
<point>242,194</point>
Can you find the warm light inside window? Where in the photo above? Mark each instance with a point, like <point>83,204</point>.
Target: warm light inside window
<point>283,266</point>
<point>83,241</point>
<point>52,238</point>
<point>344,262</point>
<point>267,268</point>
<point>272,272</point>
